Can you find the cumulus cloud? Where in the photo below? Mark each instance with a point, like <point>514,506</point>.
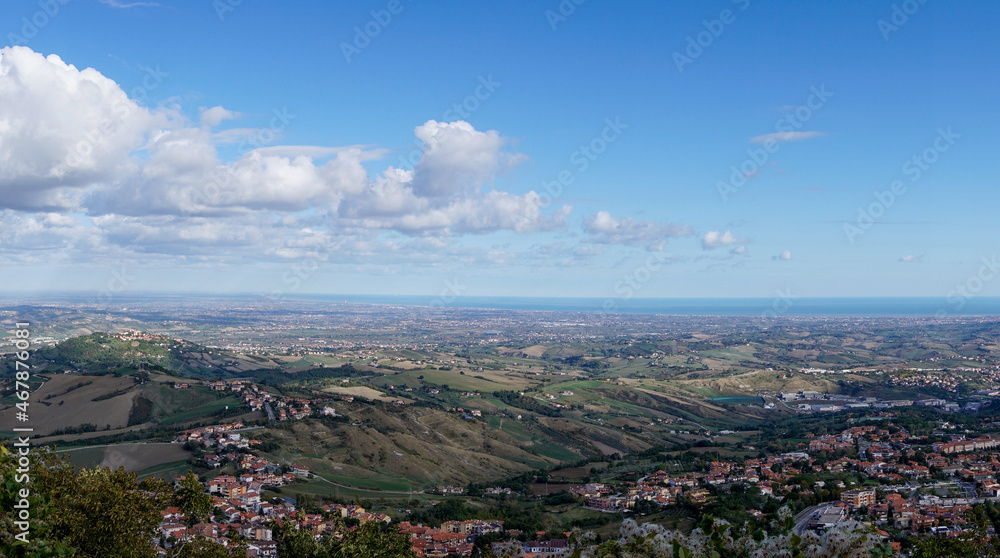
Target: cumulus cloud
<point>785,136</point>
<point>911,258</point>
<point>602,228</point>
<point>62,130</point>
<point>212,117</point>
<point>717,239</point>
<point>784,255</point>
<point>148,179</point>
<point>44,237</point>
<point>457,158</point>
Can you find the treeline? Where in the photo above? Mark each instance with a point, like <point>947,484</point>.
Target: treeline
<point>142,410</point>
<point>513,516</point>
<point>586,364</point>
<point>276,377</point>
<point>80,429</point>
<point>515,399</point>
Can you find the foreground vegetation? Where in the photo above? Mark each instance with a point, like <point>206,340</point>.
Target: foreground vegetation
<point>104,513</point>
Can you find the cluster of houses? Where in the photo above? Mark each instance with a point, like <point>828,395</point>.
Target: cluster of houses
<point>959,446</point>
<point>221,436</point>
<point>947,381</point>
<point>136,335</point>
<point>466,413</point>
<point>926,514</point>
<point>453,538</point>
<point>884,455</point>
<point>239,513</point>
<point>257,398</point>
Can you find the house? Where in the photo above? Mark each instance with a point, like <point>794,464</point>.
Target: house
<point>858,497</point>
<point>547,549</point>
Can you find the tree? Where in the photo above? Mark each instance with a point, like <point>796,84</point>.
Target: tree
<point>202,547</point>
<point>192,499</point>
<point>43,542</point>
<point>371,540</point>
<point>103,513</point>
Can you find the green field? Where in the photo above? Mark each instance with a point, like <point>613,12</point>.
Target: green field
<point>455,380</point>
<point>203,410</point>
<point>555,451</point>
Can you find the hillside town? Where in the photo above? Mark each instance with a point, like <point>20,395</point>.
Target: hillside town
<point>910,484</point>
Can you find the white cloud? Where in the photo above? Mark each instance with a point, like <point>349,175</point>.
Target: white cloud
<point>784,255</point>
<point>118,4</point>
<point>44,238</point>
<point>491,212</point>
<point>100,172</point>
<point>458,159</point>
<point>739,250</point>
<point>716,239</point>
<point>212,117</point>
<point>602,228</point>
<point>911,258</point>
<point>73,140</point>
<point>62,130</point>
<point>785,136</point>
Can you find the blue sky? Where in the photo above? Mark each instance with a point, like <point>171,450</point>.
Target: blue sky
<point>425,152</point>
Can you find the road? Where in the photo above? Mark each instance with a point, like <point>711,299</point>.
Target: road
<point>804,516</point>
<point>785,405</point>
<point>970,490</point>
<point>270,411</point>
<point>110,446</point>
